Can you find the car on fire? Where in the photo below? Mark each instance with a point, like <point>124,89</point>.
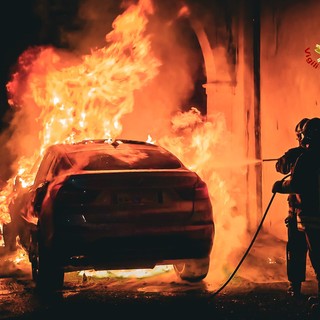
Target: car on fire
<point>122,204</point>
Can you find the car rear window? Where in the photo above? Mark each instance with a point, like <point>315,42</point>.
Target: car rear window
<point>124,159</point>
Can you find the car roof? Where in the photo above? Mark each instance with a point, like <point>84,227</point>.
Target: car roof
<point>121,149</point>
<point>102,144</point>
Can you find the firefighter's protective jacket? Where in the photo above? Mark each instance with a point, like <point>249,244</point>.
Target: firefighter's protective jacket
<point>284,165</point>
<point>287,161</point>
<point>305,182</point>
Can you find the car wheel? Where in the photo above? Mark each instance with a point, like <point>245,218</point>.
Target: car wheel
<point>193,270</point>
<point>49,276</point>
<point>34,256</point>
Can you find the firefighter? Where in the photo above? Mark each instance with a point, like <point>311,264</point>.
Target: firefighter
<point>296,248</point>
<point>305,182</point>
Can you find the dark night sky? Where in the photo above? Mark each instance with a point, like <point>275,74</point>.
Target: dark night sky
<point>20,27</point>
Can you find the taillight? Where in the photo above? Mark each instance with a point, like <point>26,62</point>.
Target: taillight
<point>201,190</point>
<point>202,210</point>
<point>68,195</point>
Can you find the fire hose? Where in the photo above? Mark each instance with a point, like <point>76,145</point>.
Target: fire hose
<point>272,159</point>
<point>251,243</point>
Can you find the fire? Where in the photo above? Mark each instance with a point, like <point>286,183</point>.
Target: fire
<point>139,273</point>
<point>150,140</point>
<point>67,98</point>
<point>75,98</point>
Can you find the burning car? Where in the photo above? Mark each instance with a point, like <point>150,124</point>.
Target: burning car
<point>122,204</point>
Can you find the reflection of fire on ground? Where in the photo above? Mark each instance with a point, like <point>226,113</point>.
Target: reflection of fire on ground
<point>63,97</point>
<point>256,269</point>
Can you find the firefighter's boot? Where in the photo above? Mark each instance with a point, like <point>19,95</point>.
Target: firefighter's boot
<point>294,289</point>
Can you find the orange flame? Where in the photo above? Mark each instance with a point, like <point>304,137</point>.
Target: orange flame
<point>76,98</point>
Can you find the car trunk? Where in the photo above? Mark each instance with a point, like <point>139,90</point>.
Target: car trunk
<point>141,198</point>
<point>132,216</point>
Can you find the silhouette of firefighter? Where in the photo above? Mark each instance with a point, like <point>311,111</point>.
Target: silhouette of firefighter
<point>296,248</point>
<point>305,183</point>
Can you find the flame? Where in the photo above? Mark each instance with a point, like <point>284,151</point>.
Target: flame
<point>76,98</point>
<point>134,273</point>
<point>66,98</point>
<point>150,140</point>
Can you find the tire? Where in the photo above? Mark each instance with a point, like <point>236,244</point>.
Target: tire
<point>48,276</point>
<point>34,256</point>
<point>193,270</point>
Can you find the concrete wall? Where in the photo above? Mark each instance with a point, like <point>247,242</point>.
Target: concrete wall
<point>289,86</point>
<point>226,38</point>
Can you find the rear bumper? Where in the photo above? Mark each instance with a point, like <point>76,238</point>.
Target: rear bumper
<point>92,248</point>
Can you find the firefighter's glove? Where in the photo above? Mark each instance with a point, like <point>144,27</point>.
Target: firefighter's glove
<point>287,220</point>
<point>277,187</point>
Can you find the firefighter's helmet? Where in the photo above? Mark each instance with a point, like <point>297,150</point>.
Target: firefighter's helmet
<point>311,133</point>
<point>299,127</point>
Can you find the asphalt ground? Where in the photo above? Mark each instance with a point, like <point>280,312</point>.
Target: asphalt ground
<point>257,291</point>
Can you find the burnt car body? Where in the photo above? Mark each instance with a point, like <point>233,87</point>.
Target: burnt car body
<point>117,205</point>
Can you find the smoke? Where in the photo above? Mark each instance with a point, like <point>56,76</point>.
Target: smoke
<point>95,18</point>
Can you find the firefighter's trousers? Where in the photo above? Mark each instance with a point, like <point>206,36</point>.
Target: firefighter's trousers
<point>296,250</point>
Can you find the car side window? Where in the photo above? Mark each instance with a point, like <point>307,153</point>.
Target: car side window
<point>44,168</point>
<point>59,166</point>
